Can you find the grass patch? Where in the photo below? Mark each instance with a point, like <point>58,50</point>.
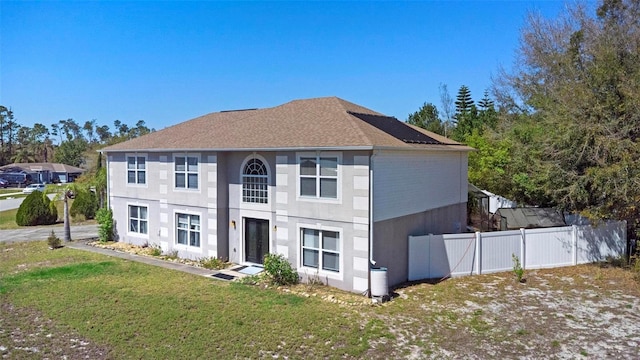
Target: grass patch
<point>8,219</point>
<point>63,273</point>
<point>141,311</point>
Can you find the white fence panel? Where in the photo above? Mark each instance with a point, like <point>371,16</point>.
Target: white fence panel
<point>496,249</point>
<point>452,255</point>
<point>548,247</point>
<point>437,256</point>
<point>596,243</point>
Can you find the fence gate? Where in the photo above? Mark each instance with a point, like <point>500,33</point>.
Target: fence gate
<point>419,257</point>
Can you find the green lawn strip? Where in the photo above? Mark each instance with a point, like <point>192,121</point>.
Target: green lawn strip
<point>141,311</point>
<point>9,191</point>
<point>8,219</point>
<point>23,256</point>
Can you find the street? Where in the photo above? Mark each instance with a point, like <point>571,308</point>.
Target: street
<point>34,233</point>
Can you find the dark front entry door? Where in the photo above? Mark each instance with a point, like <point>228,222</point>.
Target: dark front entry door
<point>256,239</point>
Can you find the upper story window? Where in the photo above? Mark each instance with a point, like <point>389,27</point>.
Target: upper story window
<point>319,177</point>
<point>138,222</point>
<point>136,170</point>
<point>255,182</point>
<point>188,229</point>
<point>186,172</point>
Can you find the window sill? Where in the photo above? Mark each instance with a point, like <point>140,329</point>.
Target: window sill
<point>138,235</point>
<point>319,199</point>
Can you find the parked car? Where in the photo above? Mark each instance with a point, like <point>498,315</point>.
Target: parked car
<point>33,187</point>
<point>4,183</point>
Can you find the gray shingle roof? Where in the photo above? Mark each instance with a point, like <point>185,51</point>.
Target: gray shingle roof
<point>34,167</point>
<point>328,122</point>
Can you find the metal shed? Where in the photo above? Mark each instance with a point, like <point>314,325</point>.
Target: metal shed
<point>529,217</point>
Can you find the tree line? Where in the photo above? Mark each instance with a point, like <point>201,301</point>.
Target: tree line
<point>561,128</point>
<point>65,141</point>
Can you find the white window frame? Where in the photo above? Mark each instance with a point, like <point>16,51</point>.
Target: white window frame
<point>186,171</point>
<point>336,275</point>
<point>318,155</point>
<point>137,233</point>
<point>188,247</point>
<point>267,177</point>
<point>136,169</point>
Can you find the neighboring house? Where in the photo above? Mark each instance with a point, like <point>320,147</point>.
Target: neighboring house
<point>21,173</point>
<point>329,184</point>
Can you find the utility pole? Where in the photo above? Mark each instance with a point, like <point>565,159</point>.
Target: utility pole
<point>67,225</point>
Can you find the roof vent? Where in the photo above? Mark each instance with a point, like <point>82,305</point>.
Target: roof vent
<point>226,111</point>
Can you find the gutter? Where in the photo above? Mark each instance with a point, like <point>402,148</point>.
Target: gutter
<point>294,148</point>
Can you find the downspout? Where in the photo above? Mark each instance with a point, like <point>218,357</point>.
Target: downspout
<point>371,261</point>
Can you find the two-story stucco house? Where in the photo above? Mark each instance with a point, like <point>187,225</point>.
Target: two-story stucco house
<point>329,184</point>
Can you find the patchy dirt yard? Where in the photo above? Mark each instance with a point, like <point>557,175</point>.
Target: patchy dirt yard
<point>26,334</point>
<point>566,313</point>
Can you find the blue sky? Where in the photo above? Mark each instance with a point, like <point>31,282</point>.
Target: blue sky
<point>166,62</point>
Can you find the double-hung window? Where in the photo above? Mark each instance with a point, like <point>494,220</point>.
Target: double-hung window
<point>188,229</point>
<point>186,172</point>
<point>138,219</point>
<point>319,177</point>
<point>136,170</point>
<point>321,249</point>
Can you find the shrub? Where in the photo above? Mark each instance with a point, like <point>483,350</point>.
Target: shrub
<point>518,271</point>
<point>54,241</point>
<point>85,203</point>
<point>279,270</point>
<point>36,209</point>
<point>213,263</point>
<point>105,221</point>
<point>156,250</point>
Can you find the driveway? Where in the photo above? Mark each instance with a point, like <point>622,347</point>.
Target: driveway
<point>30,233</point>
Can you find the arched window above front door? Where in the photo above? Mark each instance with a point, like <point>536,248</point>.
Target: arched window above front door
<point>254,182</point>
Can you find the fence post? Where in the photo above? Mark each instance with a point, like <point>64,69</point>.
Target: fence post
<point>574,239</point>
<point>478,257</point>
<point>523,243</point>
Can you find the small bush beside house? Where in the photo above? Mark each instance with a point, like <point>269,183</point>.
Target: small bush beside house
<point>104,216</point>
<point>279,270</point>
<point>36,209</point>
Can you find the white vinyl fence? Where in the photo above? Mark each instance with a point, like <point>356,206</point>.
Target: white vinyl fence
<point>438,256</point>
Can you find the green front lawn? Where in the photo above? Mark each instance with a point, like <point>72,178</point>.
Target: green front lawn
<point>141,311</point>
